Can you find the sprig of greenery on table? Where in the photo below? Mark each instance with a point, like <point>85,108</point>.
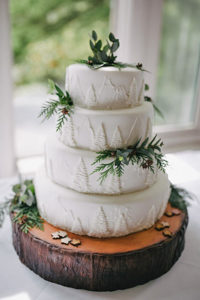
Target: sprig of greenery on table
<point>179,197</point>
<point>23,206</point>
<point>62,106</point>
<point>104,55</point>
<point>149,99</point>
<point>143,154</point>
<point>4,209</point>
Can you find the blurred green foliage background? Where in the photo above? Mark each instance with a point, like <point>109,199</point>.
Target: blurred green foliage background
<point>49,35</point>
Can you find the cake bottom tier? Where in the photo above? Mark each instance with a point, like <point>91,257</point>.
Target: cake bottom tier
<point>100,215</point>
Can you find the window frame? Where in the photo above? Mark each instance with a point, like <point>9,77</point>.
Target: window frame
<point>138,25</point>
<point>7,156</point>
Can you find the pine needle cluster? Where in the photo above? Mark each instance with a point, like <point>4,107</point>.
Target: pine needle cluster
<point>62,105</point>
<point>146,154</point>
<point>149,99</point>
<point>179,197</point>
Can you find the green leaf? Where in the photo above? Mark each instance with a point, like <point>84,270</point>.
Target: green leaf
<point>104,56</point>
<point>94,35</point>
<point>112,37</point>
<point>105,48</point>
<point>59,91</point>
<point>159,112</point>
<point>98,45</point>
<point>51,86</point>
<point>92,45</point>
<point>23,198</point>
<point>179,197</point>
<point>146,87</point>
<point>16,188</point>
<point>115,46</point>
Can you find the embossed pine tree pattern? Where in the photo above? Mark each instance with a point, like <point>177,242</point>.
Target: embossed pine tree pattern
<point>133,91</point>
<point>68,133</point>
<point>90,97</point>
<point>121,224</point>
<point>117,139</point>
<point>100,138</point>
<point>81,177</point>
<point>99,223</point>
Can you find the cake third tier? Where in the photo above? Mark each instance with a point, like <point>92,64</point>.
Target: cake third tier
<point>72,168</point>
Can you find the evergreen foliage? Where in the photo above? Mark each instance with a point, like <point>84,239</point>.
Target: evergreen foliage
<point>144,154</point>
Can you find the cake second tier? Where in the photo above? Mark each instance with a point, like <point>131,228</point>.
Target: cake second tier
<point>72,168</point>
<point>100,130</point>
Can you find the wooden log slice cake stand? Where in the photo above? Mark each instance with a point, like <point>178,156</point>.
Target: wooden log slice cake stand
<point>103,264</point>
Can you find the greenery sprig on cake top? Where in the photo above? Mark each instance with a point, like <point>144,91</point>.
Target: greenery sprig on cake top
<point>145,154</point>
<point>60,104</point>
<point>23,206</point>
<point>104,55</point>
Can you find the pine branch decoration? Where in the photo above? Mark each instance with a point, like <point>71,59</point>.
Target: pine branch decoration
<point>149,99</point>
<point>146,154</point>
<point>62,105</point>
<point>23,205</point>
<point>104,55</point>
<point>179,197</point>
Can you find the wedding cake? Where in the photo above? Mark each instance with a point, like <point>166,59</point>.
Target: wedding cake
<point>101,213</point>
<point>109,113</point>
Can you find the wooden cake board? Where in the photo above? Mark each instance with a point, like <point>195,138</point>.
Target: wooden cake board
<point>102,264</point>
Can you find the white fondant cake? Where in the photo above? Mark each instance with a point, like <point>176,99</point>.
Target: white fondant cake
<point>105,88</point>
<point>73,168</point>
<point>109,113</point>
<point>99,129</point>
<point>100,215</point>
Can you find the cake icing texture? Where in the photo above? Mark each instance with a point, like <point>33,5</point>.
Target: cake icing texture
<point>108,114</point>
<point>105,88</point>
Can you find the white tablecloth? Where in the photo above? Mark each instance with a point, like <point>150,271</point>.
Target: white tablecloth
<point>182,282</point>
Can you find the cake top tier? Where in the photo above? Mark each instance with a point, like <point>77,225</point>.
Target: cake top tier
<point>105,88</point>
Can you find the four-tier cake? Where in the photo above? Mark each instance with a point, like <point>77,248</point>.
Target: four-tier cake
<point>109,113</point>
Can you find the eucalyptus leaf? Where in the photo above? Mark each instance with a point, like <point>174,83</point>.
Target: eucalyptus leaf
<point>115,46</point>
<point>98,45</point>
<point>105,48</point>
<point>94,35</point>
<point>23,198</point>
<point>112,37</point>
<point>104,56</point>
<point>16,188</point>
<point>92,45</point>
